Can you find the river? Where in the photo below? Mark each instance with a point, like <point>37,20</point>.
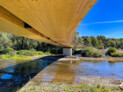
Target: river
<point>17,73</point>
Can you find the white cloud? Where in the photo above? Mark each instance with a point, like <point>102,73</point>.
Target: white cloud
<point>104,22</point>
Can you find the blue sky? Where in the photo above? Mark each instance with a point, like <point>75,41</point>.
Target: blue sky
<point>105,18</point>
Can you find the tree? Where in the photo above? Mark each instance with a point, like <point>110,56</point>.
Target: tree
<point>100,42</point>
<point>23,43</point>
<point>80,39</point>
<point>88,41</point>
<point>5,41</point>
<point>103,38</point>
<point>113,44</point>
<point>76,35</point>
<point>95,42</point>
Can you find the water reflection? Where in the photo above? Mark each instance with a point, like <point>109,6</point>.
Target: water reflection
<point>17,73</point>
<point>72,71</point>
<point>20,72</point>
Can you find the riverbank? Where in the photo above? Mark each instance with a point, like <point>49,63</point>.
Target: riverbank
<point>85,83</point>
<point>66,75</point>
<point>63,58</point>
<point>61,87</point>
<point>59,58</point>
<point>102,58</point>
<point>22,57</point>
<point>11,54</point>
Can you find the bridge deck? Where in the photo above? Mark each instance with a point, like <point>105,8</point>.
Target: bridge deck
<point>51,21</point>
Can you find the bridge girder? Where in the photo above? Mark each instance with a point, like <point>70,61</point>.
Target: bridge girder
<point>11,24</point>
<point>52,21</point>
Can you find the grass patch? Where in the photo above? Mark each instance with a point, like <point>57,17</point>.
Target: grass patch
<point>91,52</point>
<point>32,87</point>
<point>16,57</point>
<point>22,54</point>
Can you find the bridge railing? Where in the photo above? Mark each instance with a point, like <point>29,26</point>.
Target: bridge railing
<point>83,44</point>
<point>78,42</point>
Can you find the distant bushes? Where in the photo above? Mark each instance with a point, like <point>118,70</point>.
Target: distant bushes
<point>116,54</point>
<point>113,52</point>
<point>101,47</point>
<point>12,52</point>
<point>31,53</point>
<point>27,52</point>
<point>9,51</point>
<point>91,52</point>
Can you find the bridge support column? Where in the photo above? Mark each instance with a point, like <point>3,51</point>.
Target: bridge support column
<point>67,51</point>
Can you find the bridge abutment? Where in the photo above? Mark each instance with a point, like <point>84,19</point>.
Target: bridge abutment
<point>67,51</point>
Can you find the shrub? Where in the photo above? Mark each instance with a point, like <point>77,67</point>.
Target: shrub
<point>121,54</point>
<point>31,53</point>
<point>101,47</point>
<point>116,54</point>
<point>91,52</point>
<point>47,53</point>
<point>111,50</point>
<point>27,52</point>
<point>9,51</point>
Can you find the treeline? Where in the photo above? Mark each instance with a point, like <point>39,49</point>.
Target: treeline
<point>101,41</point>
<point>21,43</point>
<point>93,52</point>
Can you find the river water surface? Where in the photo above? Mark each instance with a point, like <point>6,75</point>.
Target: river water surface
<point>14,73</point>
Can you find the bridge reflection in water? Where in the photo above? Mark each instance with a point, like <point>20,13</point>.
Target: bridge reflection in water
<point>60,71</point>
<point>72,72</point>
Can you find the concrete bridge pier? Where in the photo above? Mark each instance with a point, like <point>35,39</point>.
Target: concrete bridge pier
<point>67,51</point>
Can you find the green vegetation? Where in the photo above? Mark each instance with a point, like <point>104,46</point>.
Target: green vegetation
<point>113,52</point>
<point>101,47</point>
<point>12,45</point>
<point>16,57</point>
<point>20,43</point>
<point>32,53</point>
<point>10,53</point>
<point>100,41</point>
<point>95,42</point>
<point>116,54</point>
<point>69,88</point>
<point>16,47</point>
<point>91,52</point>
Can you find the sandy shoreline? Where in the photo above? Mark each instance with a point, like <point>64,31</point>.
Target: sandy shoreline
<point>90,81</point>
<point>107,81</point>
<point>62,58</point>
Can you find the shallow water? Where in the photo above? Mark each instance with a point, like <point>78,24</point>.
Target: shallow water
<point>20,72</point>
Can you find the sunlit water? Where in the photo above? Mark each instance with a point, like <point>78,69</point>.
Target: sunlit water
<point>20,72</point>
